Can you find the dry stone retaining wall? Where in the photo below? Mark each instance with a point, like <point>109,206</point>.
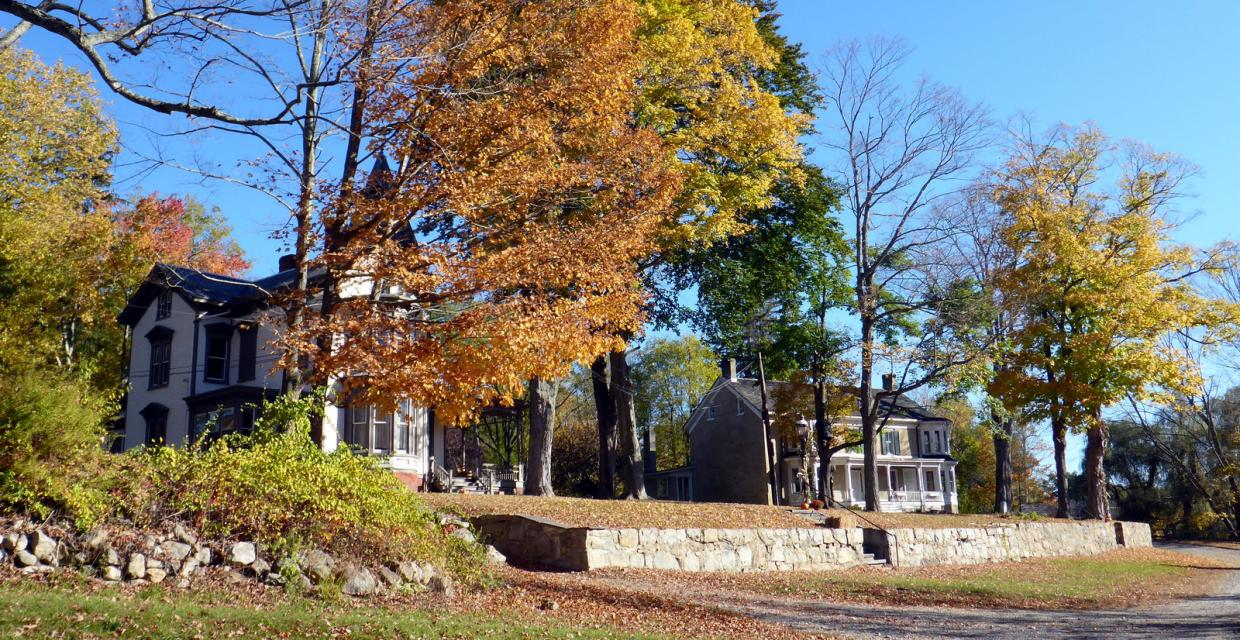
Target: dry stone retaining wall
<point>1000,543</point>
<point>538,541</point>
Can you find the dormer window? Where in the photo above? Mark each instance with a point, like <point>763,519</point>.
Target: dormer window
<point>163,305</point>
<point>710,413</point>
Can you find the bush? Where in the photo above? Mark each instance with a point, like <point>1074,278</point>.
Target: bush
<point>51,447</point>
<point>279,488</point>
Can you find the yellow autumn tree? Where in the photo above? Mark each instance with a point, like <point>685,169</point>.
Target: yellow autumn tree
<point>54,236</point>
<point>1097,282</point>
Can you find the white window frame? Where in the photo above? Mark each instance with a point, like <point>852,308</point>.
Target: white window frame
<point>710,413</point>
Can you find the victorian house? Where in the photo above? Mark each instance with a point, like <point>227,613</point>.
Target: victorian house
<point>202,361</point>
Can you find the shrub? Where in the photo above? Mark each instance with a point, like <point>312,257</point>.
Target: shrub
<point>51,453</point>
<point>279,488</point>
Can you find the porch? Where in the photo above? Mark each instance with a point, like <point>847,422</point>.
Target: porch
<point>903,485</point>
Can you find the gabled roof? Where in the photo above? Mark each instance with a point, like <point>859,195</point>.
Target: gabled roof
<point>750,389</point>
<point>200,288</point>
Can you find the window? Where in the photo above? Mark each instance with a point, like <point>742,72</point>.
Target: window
<point>357,431</point>
<point>938,441</point>
<point>740,407</point>
<point>163,305</point>
<point>248,356</point>
<point>710,413</point>
<point>402,417</point>
<point>891,443</point>
<point>217,421</point>
<point>925,442</point>
<point>216,369</point>
<point>930,478</point>
<point>382,423</point>
<point>156,416</point>
<point>161,357</point>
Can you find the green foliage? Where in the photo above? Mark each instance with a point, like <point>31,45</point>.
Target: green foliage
<point>770,289</point>
<point>279,488</point>
<point>51,455</point>
<point>670,377</point>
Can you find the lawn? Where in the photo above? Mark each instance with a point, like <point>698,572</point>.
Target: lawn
<point>620,514</point>
<point>525,605</point>
<point>1120,578</point>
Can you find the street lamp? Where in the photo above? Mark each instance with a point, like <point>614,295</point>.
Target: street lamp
<point>803,431</point>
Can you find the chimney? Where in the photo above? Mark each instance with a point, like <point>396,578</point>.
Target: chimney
<point>889,382</point>
<point>650,458</point>
<point>728,365</point>
<point>288,262</point>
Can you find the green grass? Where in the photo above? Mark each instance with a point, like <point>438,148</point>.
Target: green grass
<point>69,610</point>
<point>1110,579</point>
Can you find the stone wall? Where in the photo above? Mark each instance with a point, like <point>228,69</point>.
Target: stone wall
<point>921,547</point>
<point>537,541</point>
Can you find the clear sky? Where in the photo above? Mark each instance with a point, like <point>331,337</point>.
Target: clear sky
<point>1161,72</point>
<point>1166,73</point>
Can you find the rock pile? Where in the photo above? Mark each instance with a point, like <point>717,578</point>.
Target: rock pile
<point>179,554</point>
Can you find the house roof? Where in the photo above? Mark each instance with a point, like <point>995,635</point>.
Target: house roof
<point>200,288</point>
<point>750,389</point>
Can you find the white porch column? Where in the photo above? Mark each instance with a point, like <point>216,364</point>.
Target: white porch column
<point>921,486</point>
<point>848,495</point>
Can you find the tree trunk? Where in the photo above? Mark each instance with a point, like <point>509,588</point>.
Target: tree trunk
<point>821,434</point>
<point>605,408</point>
<point>1003,463</point>
<point>631,470</point>
<point>1096,504</point>
<point>542,428</point>
<point>869,416</point>
<point>1059,434</point>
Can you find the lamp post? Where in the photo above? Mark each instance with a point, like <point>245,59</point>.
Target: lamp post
<point>807,479</point>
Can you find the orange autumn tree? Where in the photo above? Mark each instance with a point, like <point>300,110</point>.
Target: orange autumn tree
<point>176,231</point>
<point>503,237</point>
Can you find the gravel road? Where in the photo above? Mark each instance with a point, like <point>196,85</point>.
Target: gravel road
<point>1214,616</point>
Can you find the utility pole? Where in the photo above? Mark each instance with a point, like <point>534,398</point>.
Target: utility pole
<point>772,455</point>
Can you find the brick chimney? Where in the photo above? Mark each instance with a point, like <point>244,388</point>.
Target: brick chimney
<point>889,382</point>
<point>728,367</point>
<point>288,262</point>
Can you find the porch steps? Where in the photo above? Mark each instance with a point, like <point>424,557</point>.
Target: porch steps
<point>871,560</point>
<point>466,485</point>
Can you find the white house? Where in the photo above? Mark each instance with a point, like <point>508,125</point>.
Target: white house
<point>202,361</point>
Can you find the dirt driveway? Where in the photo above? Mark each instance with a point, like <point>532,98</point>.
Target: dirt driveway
<point>1215,616</point>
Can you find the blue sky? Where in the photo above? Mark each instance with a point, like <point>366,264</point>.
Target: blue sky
<point>1164,73</point>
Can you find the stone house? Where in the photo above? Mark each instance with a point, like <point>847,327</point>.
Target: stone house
<point>729,460</point>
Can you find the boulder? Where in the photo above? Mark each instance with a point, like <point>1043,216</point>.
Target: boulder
<point>177,551</point>
<point>358,581</point>
<point>443,583</point>
<point>188,567</point>
<point>494,556</point>
<point>391,578</point>
<point>24,558</point>
<point>112,574</point>
<point>275,579</point>
<point>156,574</point>
<point>136,568</point>
<point>110,557</point>
<point>461,533</point>
<point>242,554</point>
<point>9,543</point>
<point>43,547</point>
<point>260,567</point>
<point>409,571</point>
<point>204,556</point>
<point>317,565</point>
<point>184,535</point>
